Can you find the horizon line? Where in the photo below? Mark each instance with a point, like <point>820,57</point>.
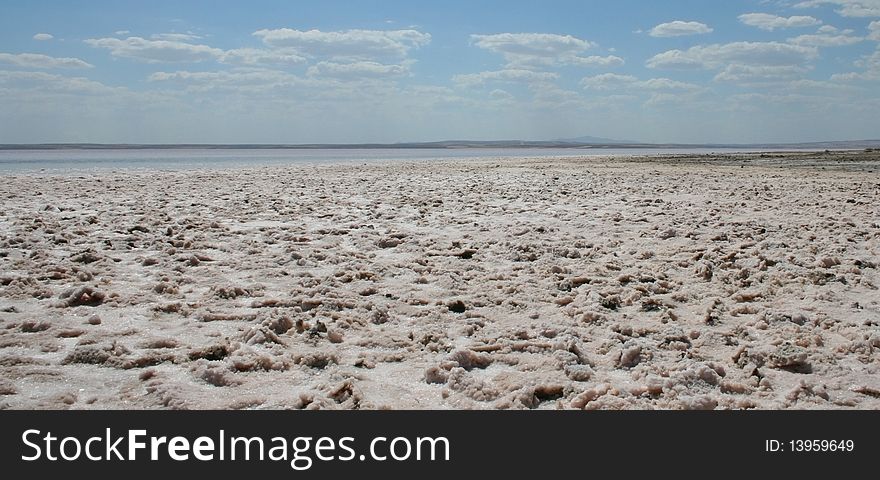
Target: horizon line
<point>441,144</point>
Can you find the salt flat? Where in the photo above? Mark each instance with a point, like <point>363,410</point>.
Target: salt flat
<point>677,282</point>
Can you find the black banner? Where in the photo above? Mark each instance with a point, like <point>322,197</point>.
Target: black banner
<point>466,444</point>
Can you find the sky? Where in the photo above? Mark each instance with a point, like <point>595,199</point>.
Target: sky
<point>672,71</point>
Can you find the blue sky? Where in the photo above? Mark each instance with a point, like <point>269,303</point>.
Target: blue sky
<point>370,71</point>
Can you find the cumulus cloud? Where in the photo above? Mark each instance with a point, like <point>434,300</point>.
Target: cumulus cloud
<point>666,84</point>
<point>156,51</point>
<point>596,61</point>
<point>522,50</point>
<point>362,44</point>
<point>256,56</point>
<point>36,60</point>
<point>532,44</point>
<point>874,31</point>
<point>611,81</point>
<point>501,95</point>
<point>238,81</point>
<point>847,8</point>
<point>174,37</point>
<point>548,96</point>
<point>43,37</point>
<point>178,48</point>
<point>827,39</point>
<point>508,75</point>
<point>871,66</point>
<point>760,73</point>
<point>261,76</point>
<point>680,28</point>
<point>738,53</point>
<point>607,81</point>
<point>665,99</point>
<point>285,47</point>
<point>659,90</point>
<point>56,84</point>
<point>356,70</point>
<point>766,21</point>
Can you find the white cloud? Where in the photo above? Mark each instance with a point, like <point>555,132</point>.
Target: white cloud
<point>549,96</point>
<point>362,44</point>
<point>805,85</point>
<point>666,84</point>
<point>524,50</point>
<point>738,53</point>
<point>610,81</point>
<point>532,44</point>
<point>278,91</point>
<point>36,60</point>
<point>680,28</point>
<point>847,8</point>
<point>508,75</point>
<point>237,81</point>
<point>760,73</point>
<point>766,21</point>
<point>121,32</point>
<point>663,99</point>
<point>874,31</point>
<point>41,82</point>
<point>851,76</point>
<point>607,81</point>
<point>596,61</point>
<point>356,70</point>
<point>871,66</point>
<point>43,37</point>
<point>238,77</point>
<point>842,39</point>
<point>500,95</point>
<point>177,48</point>
<point>256,56</point>
<point>174,37</point>
<point>156,51</point>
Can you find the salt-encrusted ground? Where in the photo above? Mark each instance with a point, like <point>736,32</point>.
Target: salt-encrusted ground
<point>679,282</point>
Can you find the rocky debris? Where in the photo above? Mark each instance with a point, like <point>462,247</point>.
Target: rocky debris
<point>667,234</point>
<point>456,306</point>
<point>31,326</point>
<point>317,360</point>
<point>790,357</point>
<point>630,356</point>
<point>389,242</point>
<point>76,296</point>
<point>97,354</point>
<point>216,375</point>
<point>401,286</point>
<point>469,360</point>
<point>579,373</point>
<point>211,352</point>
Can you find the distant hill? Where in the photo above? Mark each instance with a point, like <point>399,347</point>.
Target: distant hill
<point>596,141</point>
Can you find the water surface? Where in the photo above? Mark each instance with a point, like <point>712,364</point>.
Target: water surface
<point>59,161</point>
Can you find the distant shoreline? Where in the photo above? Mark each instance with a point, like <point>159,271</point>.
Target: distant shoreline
<point>451,144</point>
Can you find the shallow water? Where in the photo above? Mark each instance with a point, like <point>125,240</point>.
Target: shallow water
<point>21,161</point>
